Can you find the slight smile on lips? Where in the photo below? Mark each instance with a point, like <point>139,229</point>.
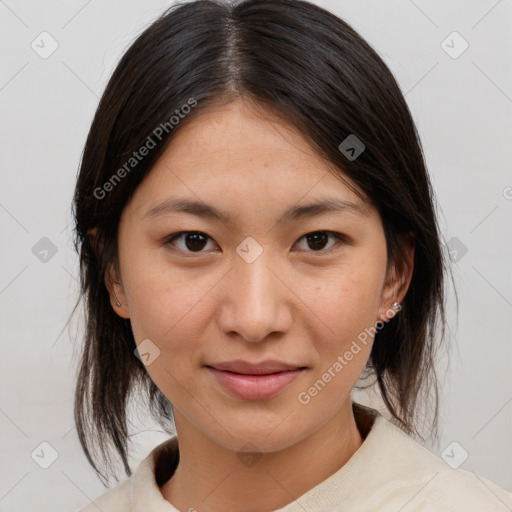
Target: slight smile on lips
<point>254,381</point>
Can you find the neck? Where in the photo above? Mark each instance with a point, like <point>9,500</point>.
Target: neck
<point>210,477</point>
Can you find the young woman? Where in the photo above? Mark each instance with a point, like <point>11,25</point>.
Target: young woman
<point>257,236</point>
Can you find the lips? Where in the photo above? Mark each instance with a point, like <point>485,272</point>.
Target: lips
<point>263,368</point>
<point>254,381</point>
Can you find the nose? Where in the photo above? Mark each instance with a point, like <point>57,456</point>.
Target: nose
<point>257,300</point>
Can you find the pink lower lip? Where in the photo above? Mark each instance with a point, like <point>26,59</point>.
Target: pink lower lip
<point>254,387</point>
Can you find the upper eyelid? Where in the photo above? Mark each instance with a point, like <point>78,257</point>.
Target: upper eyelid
<point>340,237</point>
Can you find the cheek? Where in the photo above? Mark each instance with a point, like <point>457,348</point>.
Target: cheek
<point>166,304</point>
<point>345,301</point>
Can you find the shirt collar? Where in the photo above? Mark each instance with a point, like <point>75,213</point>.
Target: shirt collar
<point>161,463</point>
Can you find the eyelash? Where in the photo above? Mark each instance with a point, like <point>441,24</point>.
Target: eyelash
<point>338,236</point>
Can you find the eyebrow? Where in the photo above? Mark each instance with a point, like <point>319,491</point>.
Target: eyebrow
<point>300,212</point>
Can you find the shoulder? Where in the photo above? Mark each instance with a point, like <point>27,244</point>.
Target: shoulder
<point>141,490</point>
<point>408,473</point>
<point>114,500</point>
<point>452,489</point>
<point>444,487</point>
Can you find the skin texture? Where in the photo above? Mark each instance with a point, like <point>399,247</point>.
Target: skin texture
<point>297,302</point>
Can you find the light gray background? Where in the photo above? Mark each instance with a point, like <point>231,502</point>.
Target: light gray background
<point>463,109</point>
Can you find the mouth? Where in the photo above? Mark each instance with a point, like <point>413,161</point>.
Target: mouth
<point>263,368</point>
<point>254,382</point>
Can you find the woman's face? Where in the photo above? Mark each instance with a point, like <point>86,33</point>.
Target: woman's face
<point>250,286</point>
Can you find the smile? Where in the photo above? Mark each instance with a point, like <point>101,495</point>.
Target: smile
<point>254,387</point>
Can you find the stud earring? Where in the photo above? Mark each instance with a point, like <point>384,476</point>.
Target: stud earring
<point>395,305</point>
<point>118,304</point>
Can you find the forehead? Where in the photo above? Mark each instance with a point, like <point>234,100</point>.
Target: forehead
<point>242,155</point>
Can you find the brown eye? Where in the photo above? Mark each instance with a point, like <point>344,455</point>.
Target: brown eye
<point>192,241</point>
<point>195,241</point>
<point>317,240</point>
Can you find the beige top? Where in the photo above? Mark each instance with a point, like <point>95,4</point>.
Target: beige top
<point>390,472</point>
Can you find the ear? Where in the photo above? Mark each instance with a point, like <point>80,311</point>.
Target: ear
<point>397,281</point>
<point>112,281</point>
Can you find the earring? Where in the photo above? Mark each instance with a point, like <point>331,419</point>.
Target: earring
<point>118,304</point>
<point>395,305</point>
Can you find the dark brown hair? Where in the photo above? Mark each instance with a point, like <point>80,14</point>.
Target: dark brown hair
<point>310,68</point>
